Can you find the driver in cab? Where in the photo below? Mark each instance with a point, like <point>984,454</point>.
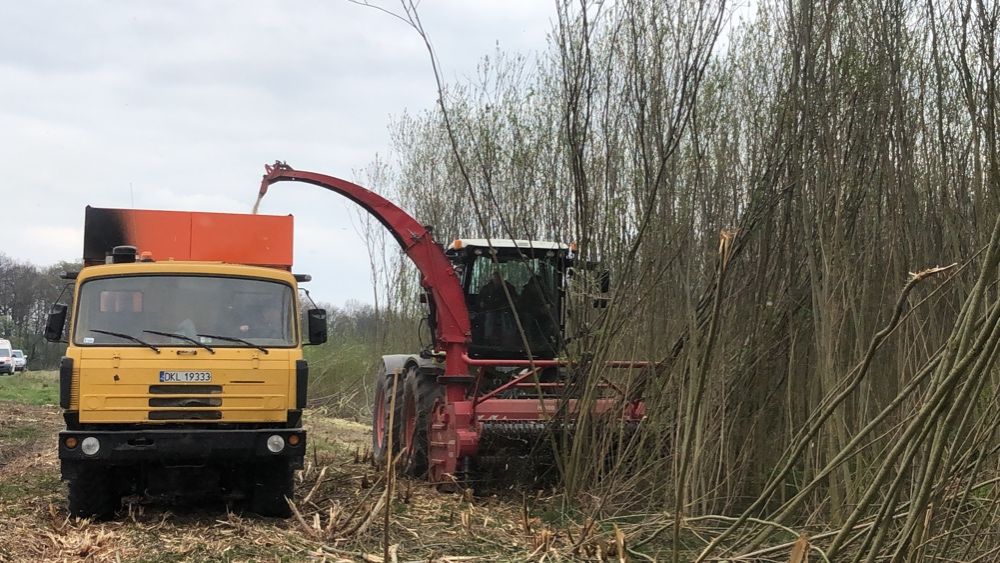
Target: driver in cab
<point>268,324</point>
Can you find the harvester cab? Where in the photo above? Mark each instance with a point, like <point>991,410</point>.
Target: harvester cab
<point>514,292</point>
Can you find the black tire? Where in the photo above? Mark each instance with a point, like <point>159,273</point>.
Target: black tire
<point>380,416</point>
<point>420,395</point>
<point>92,494</point>
<point>272,482</point>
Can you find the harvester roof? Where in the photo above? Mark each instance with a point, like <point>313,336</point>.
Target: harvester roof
<point>461,243</point>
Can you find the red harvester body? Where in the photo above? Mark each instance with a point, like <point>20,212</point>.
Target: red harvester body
<point>456,396</point>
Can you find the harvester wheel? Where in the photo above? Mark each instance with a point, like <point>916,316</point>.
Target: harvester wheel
<point>419,397</point>
<point>380,415</point>
<point>92,494</point>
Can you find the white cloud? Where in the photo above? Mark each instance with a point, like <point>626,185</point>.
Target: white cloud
<point>43,244</point>
<point>185,101</point>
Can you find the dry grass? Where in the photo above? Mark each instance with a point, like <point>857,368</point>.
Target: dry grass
<point>339,495</point>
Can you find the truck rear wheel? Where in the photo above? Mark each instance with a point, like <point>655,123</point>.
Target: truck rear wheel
<point>420,395</point>
<point>380,416</point>
<point>92,494</point>
<point>272,482</point>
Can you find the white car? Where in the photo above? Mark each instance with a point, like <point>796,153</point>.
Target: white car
<point>6,359</point>
<point>20,361</point>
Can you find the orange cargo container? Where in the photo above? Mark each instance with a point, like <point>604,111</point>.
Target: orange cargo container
<point>257,240</point>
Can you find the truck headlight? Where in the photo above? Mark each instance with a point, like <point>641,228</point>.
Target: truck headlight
<point>90,445</point>
<point>275,443</point>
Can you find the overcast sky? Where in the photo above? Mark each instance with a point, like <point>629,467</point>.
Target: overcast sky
<point>178,105</point>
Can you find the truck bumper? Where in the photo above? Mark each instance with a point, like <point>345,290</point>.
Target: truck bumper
<point>121,447</point>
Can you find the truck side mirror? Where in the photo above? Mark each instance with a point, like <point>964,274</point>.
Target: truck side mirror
<point>57,321</point>
<point>317,326</point>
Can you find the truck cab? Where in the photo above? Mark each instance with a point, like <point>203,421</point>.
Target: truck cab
<point>183,377</point>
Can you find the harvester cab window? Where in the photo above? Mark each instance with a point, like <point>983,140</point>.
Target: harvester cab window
<point>530,283</point>
<point>258,311</point>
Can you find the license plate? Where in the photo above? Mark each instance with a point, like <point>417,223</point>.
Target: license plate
<point>185,376</point>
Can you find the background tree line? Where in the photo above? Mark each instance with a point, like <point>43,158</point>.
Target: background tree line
<point>26,293</point>
<point>773,191</point>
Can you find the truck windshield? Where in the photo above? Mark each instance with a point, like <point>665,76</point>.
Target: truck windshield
<point>258,311</point>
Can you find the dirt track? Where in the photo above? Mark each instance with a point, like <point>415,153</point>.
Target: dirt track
<point>341,521</point>
<point>21,450</point>
<point>36,527</point>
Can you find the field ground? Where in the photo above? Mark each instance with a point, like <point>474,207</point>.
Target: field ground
<point>336,494</point>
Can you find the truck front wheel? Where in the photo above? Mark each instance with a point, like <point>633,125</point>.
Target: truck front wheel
<point>92,494</point>
<point>272,482</point>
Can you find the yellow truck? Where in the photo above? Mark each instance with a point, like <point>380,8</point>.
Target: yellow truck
<point>183,372</point>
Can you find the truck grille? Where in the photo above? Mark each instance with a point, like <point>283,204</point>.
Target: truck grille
<point>185,389</point>
<point>185,415</point>
<point>185,402</point>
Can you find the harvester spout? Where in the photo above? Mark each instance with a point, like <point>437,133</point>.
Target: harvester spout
<point>270,176</point>
<point>450,315</point>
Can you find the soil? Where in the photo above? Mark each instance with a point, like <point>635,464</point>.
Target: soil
<point>339,503</point>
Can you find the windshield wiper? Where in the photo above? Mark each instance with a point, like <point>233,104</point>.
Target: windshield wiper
<point>232,339</point>
<point>126,337</point>
<point>181,337</point>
